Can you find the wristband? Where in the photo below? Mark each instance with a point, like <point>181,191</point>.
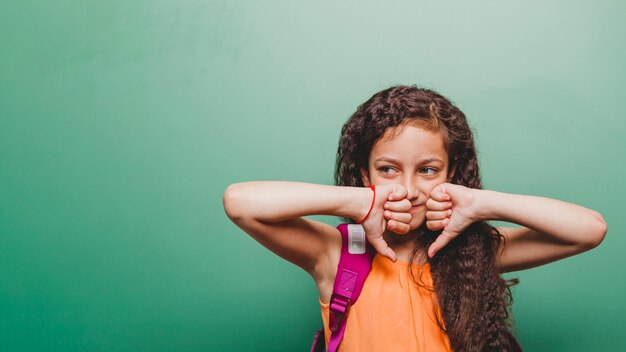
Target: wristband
<point>373,187</point>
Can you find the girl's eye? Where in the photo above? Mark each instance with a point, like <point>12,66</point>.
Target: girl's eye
<point>384,168</point>
<point>430,168</point>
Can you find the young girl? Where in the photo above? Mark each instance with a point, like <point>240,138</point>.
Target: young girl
<point>435,281</point>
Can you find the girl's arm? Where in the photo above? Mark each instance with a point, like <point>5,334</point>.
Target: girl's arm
<point>552,230</point>
<point>272,213</point>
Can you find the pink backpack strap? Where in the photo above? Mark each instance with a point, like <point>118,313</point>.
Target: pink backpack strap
<point>354,266</point>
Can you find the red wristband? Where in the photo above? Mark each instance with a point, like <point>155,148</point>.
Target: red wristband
<point>373,187</point>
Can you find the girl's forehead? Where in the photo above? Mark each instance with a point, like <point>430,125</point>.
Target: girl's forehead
<point>410,142</point>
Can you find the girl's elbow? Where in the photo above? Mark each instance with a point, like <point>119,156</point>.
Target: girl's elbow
<point>230,201</point>
<point>601,228</point>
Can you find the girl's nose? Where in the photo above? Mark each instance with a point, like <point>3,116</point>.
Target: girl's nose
<point>412,190</point>
<point>412,195</point>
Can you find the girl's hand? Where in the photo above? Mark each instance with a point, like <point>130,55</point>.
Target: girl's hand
<point>390,199</point>
<point>453,208</point>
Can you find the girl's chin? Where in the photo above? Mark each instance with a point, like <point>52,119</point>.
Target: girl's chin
<point>416,223</point>
<point>414,227</point>
<point>417,226</point>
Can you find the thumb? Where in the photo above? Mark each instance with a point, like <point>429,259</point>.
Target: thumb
<point>442,240</point>
<point>440,193</point>
<point>398,192</point>
<point>381,247</point>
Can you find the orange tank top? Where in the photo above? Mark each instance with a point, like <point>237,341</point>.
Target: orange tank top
<point>392,313</point>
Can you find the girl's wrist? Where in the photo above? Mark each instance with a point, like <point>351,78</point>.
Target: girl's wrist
<point>370,206</point>
<point>355,202</point>
<point>482,204</point>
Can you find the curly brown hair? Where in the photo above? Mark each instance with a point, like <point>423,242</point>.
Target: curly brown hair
<point>474,298</point>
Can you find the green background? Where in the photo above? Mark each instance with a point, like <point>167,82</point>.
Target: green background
<point>123,122</point>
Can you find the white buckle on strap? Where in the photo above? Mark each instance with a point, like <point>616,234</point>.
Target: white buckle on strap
<point>356,239</point>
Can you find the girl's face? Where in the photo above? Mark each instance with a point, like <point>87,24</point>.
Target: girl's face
<point>415,158</point>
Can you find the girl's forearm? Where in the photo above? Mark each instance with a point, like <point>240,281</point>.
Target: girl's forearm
<point>274,201</point>
<point>565,222</point>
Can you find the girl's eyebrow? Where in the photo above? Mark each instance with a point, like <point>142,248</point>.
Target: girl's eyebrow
<point>423,161</point>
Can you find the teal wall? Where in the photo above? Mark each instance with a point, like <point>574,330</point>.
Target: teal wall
<point>122,123</point>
